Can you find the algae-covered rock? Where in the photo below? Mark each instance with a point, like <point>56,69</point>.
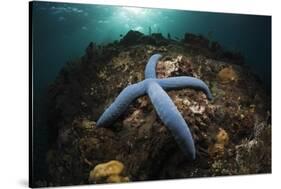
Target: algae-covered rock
<point>231,132</point>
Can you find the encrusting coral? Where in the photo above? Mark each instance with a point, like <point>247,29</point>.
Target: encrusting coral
<point>227,75</point>
<point>110,171</point>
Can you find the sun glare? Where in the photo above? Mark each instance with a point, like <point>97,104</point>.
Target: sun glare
<point>134,10</point>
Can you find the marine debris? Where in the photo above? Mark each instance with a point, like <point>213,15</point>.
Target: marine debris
<point>163,104</point>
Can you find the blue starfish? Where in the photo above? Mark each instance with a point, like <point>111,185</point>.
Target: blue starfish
<point>165,108</point>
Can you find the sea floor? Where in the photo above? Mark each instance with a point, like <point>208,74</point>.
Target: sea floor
<point>232,133</point>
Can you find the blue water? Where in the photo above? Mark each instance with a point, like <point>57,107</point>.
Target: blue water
<point>62,31</point>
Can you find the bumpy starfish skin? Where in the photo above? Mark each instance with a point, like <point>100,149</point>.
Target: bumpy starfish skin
<point>164,106</point>
<point>124,99</point>
<point>150,71</point>
<point>172,118</point>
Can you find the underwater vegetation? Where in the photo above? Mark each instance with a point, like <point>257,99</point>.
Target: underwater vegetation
<point>231,134</point>
<point>164,106</point>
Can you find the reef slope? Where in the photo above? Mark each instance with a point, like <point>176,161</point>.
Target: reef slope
<point>232,133</point>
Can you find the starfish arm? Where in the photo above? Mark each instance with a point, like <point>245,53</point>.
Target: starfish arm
<point>183,82</point>
<point>171,117</point>
<point>120,104</point>
<point>151,65</point>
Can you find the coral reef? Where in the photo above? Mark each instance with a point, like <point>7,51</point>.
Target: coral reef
<point>196,40</point>
<point>231,133</point>
<point>136,37</point>
<point>164,106</point>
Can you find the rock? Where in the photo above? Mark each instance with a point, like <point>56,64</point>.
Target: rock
<point>136,38</point>
<point>215,47</point>
<point>159,39</point>
<point>90,51</point>
<point>197,109</point>
<point>234,57</point>
<point>196,40</point>
<point>131,38</point>
<point>222,128</point>
<point>167,67</point>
